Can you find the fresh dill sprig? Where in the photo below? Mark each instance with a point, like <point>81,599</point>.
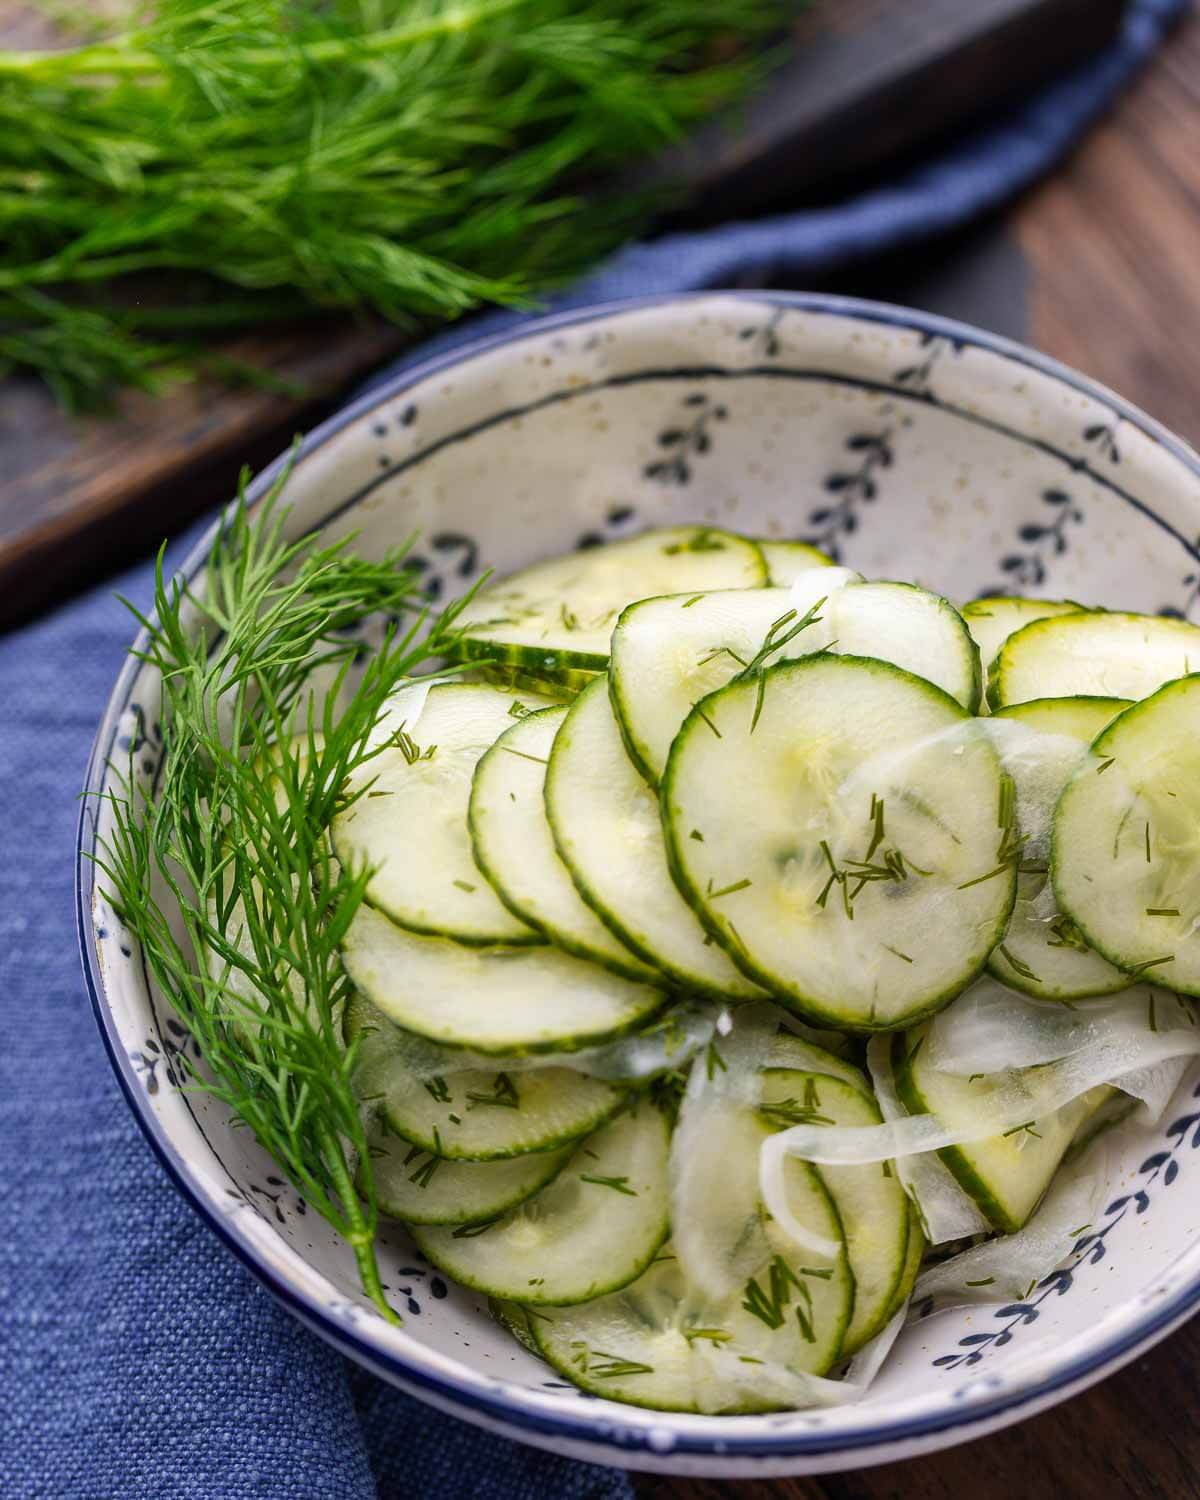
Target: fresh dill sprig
<point>225,877</point>
<point>251,160</point>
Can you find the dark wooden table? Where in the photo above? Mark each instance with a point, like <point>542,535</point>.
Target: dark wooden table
<point>1101,267</point>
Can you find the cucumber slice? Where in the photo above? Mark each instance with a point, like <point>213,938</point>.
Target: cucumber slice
<point>1093,652</point>
<point>669,653</point>
<point>870,1201</point>
<point>787,560</point>
<point>514,1319</point>
<point>1042,953</point>
<point>411,825</point>
<point>515,849</point>
<point>653,1343</point>
<point>1123,860</point>
<point>776,786</point>
<point>560,613</point>
<point>801,1055</point>
<point>913,1256</point>
<point>422,1188</point>
<point>473,1114</point>
<point>493,1000</point>
<point>559,687</point>
<point>914,629</point>
<point>606,826</point>
<point>1006,1175</point>
<point>992,620</point>
<point>596,1227</point>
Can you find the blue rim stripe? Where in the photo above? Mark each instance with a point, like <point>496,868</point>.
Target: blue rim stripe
<point>462,1395</point>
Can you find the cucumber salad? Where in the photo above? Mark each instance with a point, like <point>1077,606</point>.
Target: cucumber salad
<point>745,956</point>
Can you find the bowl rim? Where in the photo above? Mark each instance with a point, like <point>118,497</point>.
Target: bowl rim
<point>470,1392</point>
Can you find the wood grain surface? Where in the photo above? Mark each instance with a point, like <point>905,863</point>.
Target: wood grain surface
<point>869,81</point>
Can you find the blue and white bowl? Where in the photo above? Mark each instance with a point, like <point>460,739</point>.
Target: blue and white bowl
<point>904,445</point>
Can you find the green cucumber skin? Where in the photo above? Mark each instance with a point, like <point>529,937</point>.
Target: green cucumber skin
<point>913,1255</point>
<point>955,1159</point>
<point>514,1319</point>
<point>551,662</point>
<point>351,1027</point>
<point>549,1143</point>
<point>868,1332</point>
<point>673,980</point>
<point>749,1408</point>
<point>477,1218</point>
<point>970,647</point>
<point>804,1007</point>
<point>631,749</point>
<point>995,686</point>
<point>534,939</point>
<point>1099,748</point>
<point>633,970</point>
<point>473,1284</point>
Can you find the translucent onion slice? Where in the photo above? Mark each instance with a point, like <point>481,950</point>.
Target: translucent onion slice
<point>715,1213</point>
<point>720,1376</point>
<point>1005,1268</point>
<point>1127,1045</point>
<point>947,1213</point>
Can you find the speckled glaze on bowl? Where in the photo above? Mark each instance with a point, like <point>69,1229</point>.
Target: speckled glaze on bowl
<point>905,446</point>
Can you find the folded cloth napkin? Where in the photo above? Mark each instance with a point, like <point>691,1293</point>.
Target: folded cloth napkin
<point>137,1358</point>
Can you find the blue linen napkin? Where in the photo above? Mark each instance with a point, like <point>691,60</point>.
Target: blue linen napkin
<point>138,1359</point>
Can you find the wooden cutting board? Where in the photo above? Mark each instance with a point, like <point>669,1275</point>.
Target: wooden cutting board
<point>868,84</point>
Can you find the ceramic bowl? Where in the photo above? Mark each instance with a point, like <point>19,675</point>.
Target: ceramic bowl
<point>904,445</point>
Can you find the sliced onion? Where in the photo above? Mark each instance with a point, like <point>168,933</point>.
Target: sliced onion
<point>947,1213</point>
<point>992,1029</point>
<point>1005,1268</point>
<point>715,1216</point>
<point>1126,1046</point>
<point>720,1377</point>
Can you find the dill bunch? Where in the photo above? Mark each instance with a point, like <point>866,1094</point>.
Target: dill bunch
<point>414,158</point>
<point>225,876</point>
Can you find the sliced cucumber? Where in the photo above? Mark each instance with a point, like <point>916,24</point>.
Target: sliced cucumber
<point>473,1114</point>
<point>493,1000</point>
<point>606,826</point>
<point>1006,1175</point>
<point>780,791</point>
<point>1124,859</point>
<point>559,687</point>
<point>515,849</point>
<point>596,1227</point>
<point>992,620</point>
<point>411,825</point>
<point>870,1201</point>
<point>913,629</point>
<point>913,1256</point>
<point>801,1055</point>
<point>1042,953</point>
<point>1093,652</point>
<point>669,653</point>
<point>514,1319</point>
<point>422,1188</point>
<point>560,613</point>
<point>786,560</point>
<point>654,1343</point>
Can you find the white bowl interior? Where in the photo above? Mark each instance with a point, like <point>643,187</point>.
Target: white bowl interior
<point>906,448</point>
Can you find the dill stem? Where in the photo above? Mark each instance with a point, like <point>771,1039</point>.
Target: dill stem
<point>127,55</point>
<point>359,1229</point>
